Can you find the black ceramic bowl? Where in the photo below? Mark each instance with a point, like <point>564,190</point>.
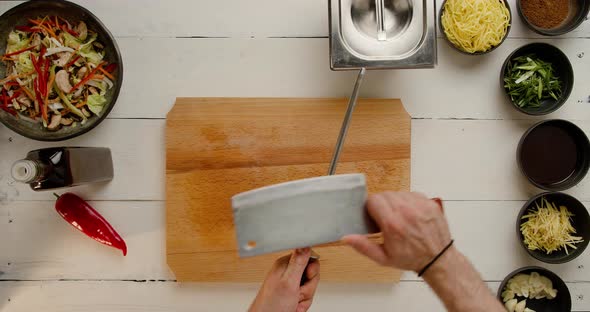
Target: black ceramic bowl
<point>561,303</point>
<point>19,15</point>
<point>554,154</point>
<point>577,14</point>
<point>563,69</point>
<point>580,221</point>
<point>442,30</point>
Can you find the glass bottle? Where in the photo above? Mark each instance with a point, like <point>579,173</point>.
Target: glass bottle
<point>58,167</point>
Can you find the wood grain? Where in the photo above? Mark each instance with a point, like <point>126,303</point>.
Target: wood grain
<point>218,147</point>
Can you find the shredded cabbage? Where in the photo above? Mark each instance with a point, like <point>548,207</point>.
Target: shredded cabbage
<point>96,103</point>
<point>87,51</point>
<point>475,25</point>
<point>24,64</point>
<point>71,41</point>
<point>16,42</point>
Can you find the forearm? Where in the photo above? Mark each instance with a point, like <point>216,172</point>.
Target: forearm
<point>459,285</point>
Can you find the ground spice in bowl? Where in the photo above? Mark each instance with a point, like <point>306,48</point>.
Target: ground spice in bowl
<point>545,13</point>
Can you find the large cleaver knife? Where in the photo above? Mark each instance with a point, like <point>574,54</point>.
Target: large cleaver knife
<point>304,212</point>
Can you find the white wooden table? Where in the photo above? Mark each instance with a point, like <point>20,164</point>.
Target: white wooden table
<point>463,150</point>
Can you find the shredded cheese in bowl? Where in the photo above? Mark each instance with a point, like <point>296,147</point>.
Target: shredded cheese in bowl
<point>475,25</point>
<point>548,228</point>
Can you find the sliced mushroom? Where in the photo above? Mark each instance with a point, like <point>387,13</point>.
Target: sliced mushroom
<point>82,31</point>
<point>55,122</point>
<point>24,100</point>
<point>64,58</point>
<point>67,121</point>
<point>85,112</point>
<point>98,45</point>
<point>78,93</point>
<point>62,79</point>
<point>82,72</point>
<point>36,40</point>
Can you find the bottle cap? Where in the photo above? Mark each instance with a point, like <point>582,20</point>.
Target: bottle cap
<point>24,171</point>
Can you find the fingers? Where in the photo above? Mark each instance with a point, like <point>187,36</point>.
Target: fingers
<point>366,247</point>
<point>297,264</point>
<point>439,202</point>
<point>313,274</point>
<point>308,290</point>
<point>379,209</point>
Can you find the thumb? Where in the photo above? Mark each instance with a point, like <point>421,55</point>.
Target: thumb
<point>366,247</point>
<point>297,263</point>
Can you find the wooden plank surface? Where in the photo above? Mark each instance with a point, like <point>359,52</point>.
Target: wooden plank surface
<point>219,147</point>
<point>38,244</point>
<point>459,87</point>
<point>234,18</point>
<point>115,296</point>
<point>246,64</point>
<point>453,159</point>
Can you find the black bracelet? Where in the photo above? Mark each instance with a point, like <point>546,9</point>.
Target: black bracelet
<point>436,258</point>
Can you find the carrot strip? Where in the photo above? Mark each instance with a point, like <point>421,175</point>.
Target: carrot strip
<point>81,104</point>
<point>46,99</point>
<point>28,93</point>
<point>40,25</point>
<point>106,73</point>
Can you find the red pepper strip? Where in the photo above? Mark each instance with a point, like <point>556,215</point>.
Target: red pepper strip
<point>82,216</point>
<point>12,84</point>
<point>39,84</point>
<point>47,67</point>
<point>26,29</point>
<point>14,96</point>
<point>87,78</point>
<point>70,63</point>
<point>19,51</point>
<point>111,68</point>
<point>5,104</point>
<point>69,30</point>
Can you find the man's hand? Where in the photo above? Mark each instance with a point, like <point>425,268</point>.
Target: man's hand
<point>281,291</point>
<point>414,230</point>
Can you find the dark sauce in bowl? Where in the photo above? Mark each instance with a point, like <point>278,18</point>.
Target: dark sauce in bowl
<point>549,154</point>
<point>554,154</point>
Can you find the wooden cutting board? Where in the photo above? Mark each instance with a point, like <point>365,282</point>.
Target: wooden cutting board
<point>218,147</point>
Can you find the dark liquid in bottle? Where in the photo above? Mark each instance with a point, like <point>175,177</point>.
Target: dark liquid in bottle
<point>549,154</point>
<point>72,166</point>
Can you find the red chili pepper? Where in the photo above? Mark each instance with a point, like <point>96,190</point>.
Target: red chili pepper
<point>82,216</point>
